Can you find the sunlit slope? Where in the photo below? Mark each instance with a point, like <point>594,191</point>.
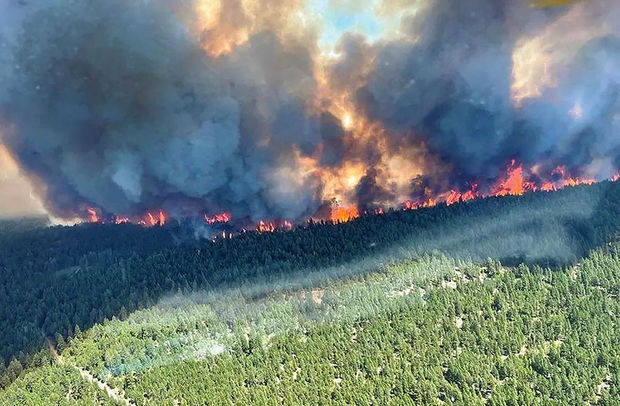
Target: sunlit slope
<point>426,331</point>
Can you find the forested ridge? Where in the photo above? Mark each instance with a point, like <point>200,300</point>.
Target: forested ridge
<point>433,330</point>
<point>57,281</point>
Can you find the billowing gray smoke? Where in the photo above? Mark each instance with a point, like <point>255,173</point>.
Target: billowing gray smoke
<point>449,81</point>
<point>114,105</point>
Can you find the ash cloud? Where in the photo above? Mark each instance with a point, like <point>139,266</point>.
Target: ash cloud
<point>115,104</point>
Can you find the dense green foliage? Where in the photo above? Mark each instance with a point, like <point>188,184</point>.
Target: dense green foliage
<point>424,331</point>
<point>53,280</point>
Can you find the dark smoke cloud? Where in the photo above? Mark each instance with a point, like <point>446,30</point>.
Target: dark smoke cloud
<point>448,82</point>
<point>115,105</point>
<point>370,195</point>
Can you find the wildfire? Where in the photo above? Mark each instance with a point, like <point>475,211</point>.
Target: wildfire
<point>340,214</point>
<point>272,226</point>
<point>455,196</point>
<point>516,181</point>
<point>121,220</point>
<point>152,220</point>
<point>224,236</point>
<point>415,205</point>
<point>513,184</point>
<point>266,227</point>
<point>93,217</point>
<point>287,225</point>
<point>221,218</point>
<point>516,185</point>
<point>537,62</point>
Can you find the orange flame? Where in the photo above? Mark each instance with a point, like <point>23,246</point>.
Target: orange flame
<point>152,220</point>
<point>453,197</point>
<point>265,227</point>
<point>413,205</point>
<point>513,184</point>
<point>93,217</point>
<point>343,214</point>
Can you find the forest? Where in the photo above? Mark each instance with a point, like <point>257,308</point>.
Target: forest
<point>264,311</point>
<point>433,330</point>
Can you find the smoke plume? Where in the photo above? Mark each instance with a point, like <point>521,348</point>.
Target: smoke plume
<point>204,107</point>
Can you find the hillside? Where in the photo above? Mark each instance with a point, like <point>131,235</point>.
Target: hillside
<point>426,331</point>
<point>206,308</point>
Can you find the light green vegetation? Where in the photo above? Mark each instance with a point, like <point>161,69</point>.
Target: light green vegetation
<point>426,331</point>
<point>54,385</point>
